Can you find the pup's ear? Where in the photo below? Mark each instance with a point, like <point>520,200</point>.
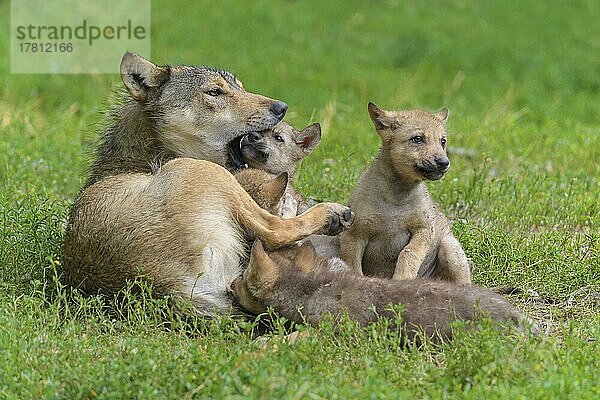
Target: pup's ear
<point>274,190</point>
<point>236,286</point>
<point>442,115</point>
<point>262,272</point>
<point>379,117</point>
<point>305,257</point>
<point>308,138</point>
<point>139,75</point>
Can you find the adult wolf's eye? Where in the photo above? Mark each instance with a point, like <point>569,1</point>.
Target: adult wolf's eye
<point>278,138</point>
<point>443,142</point>
<point>417,139</point>
<point>214,92</point>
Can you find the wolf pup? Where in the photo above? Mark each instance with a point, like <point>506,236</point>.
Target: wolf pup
<point>280,150</point>
<point>180,225</point>
<point>303,287</point>
<point>399,231</point>
<point>268,191</point>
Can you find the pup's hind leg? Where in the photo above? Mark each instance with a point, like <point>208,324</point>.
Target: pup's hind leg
<point>451,263</point>
<point>352,250</point>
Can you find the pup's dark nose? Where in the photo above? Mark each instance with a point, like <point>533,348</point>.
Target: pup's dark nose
<point>442,162</point>
<point>279,108</point>
<point>254,137</point>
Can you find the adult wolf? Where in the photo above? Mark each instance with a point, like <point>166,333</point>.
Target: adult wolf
<point>179,225</point>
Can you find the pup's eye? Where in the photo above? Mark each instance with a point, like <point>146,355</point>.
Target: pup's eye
<point>214,92</point>
<point>417,139</point>
<point>278,138</point>
<point>443,142</point>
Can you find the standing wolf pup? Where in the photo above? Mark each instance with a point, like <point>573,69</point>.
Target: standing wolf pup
<point>182,226</point>
<point>303,287</point>
<point>399,231</point>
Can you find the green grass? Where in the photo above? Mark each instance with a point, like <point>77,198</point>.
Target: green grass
<point>521,80</point>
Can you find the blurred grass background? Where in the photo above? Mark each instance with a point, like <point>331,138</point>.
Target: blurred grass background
<point>521,80</point>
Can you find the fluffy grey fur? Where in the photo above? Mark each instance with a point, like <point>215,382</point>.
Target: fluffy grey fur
<point>429,306</point>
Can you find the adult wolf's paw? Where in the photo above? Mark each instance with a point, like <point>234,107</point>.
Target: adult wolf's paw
<point>340,219</point>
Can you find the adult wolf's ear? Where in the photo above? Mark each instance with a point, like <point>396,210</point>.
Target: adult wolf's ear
<point>308,138</point>
<point>379,117</point>
<point>139,75</point>
<point>442,115</point>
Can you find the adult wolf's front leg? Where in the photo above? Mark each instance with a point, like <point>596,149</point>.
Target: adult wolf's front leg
<point>194,182</point>
<point>325,218</point>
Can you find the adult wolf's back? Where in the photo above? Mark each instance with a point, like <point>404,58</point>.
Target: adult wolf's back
<point>178,111</point>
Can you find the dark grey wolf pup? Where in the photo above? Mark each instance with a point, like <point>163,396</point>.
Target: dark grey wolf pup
<point>303,287</point>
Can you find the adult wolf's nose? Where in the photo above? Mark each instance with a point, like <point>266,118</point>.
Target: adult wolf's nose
<point>279,108</point>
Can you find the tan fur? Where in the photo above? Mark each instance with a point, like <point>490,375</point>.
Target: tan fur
<point>180,228</point>
<point>280,150</point>
<point>146,212</point>
<point>265,189</point>
<point>399,231</point>
<point>284,281</point>
<point>269,193</point>
<point>178,111</point>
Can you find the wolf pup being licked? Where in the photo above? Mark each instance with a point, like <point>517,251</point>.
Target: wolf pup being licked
<point>399,231</point>
<point>280,150</point>
<point>154,209</point>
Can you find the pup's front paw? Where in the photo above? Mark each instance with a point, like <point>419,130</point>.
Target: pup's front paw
<point>340,219</point>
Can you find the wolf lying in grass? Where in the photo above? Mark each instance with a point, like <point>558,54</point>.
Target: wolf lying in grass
<point>399,231</point>
<point>182,226</point>
<point>303,287</point>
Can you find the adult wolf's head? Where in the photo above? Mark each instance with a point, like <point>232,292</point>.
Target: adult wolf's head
<point>197,111</point>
